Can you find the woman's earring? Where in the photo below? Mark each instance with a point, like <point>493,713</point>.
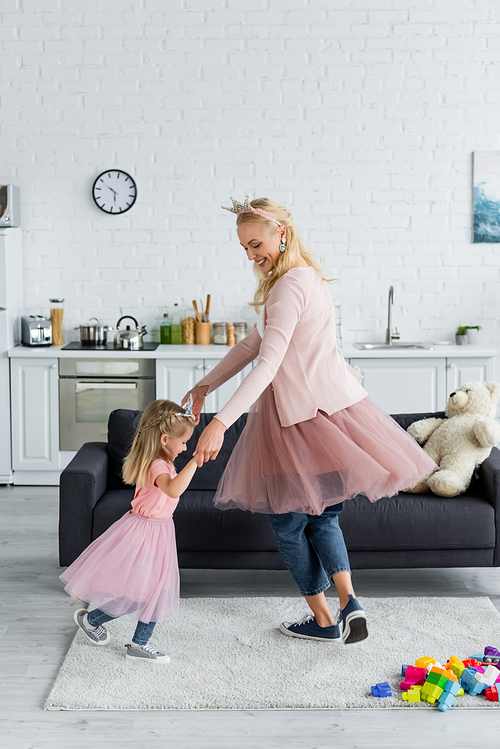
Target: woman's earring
<point>282,247</point>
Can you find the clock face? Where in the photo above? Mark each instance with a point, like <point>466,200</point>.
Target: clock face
<point>114,191</point>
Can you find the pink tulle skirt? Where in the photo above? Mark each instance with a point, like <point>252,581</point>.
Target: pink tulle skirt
<point>321,462</point>
<point>131,569</point>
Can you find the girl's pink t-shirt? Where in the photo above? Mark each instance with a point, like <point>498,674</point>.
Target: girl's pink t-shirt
<point>149,500</point>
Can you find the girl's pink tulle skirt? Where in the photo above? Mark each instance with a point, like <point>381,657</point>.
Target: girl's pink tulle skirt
<point>321,462</point>
<point>131,569</point>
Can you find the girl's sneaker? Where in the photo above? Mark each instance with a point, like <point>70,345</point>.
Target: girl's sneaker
<point>96,635</point>
<point>308,629</point>
<point>353,621</point>
<point>145,653</point>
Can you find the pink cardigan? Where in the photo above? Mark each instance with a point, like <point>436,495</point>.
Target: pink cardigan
<point>297,353</point>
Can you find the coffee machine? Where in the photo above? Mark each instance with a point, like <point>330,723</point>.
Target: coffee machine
<point>36,330</point>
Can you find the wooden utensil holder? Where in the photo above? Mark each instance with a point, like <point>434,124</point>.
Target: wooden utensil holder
<point>202,333</point>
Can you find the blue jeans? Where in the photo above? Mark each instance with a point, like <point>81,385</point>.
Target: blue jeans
<point>312,547</point>
<point>142,632</point>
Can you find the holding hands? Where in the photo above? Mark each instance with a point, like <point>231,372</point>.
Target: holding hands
<point>212,437</point>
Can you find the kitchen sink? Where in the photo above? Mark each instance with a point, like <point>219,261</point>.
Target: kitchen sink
<point>399,345</point>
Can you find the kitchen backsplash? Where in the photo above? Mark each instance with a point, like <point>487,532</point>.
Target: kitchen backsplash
<point>362,119</point>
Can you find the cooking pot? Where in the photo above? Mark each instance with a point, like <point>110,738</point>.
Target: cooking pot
<point>129,339</point>
<point>93,334</point>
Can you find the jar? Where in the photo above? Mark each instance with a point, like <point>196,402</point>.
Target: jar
<point>56,318</point>
<point>220,333</point>
<point>240,331</point>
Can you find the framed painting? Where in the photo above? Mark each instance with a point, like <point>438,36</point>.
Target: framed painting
<point>486,182</point>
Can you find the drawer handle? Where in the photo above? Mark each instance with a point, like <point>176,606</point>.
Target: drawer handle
<point>452,366</point>
<point>199,366</point>
<point>53,366</point>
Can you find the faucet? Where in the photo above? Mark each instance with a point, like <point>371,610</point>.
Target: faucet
<point>389,335</point>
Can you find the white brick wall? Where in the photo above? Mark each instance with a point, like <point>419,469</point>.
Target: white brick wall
<point>361,119</point>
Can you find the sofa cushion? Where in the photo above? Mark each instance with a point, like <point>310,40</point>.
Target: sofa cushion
<point>419,521</point>
<point>122,426</point>
<point>199,526</point>
<point>404,420</point>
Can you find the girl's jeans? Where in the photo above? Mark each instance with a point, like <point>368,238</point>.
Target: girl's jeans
<point>142,632</point>
<point>312,547</point>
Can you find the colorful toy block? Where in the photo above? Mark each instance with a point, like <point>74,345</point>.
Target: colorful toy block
<point>490,650</point>
<point>403,669</point>
<point>413,675</point>
<point>381,689</point>
<point>412,695</point>
<point>424,661</point>
<point>448,697</point>
<point>470,683</point>
<point>471,662</point>
<point>491,694</point>
<point>490,675</point>
<point>430,692</point>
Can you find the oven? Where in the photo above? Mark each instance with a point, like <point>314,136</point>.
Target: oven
<point>89,389</point>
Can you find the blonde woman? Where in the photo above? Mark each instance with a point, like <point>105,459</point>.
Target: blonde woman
<point>313,438</point>
<point>132,567</point>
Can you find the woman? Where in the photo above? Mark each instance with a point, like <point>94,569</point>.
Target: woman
<point>313,438</point>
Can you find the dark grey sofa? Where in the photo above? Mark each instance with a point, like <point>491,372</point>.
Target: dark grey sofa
<point>403,531</point>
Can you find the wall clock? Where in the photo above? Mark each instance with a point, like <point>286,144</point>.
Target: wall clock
<point>114,191</point>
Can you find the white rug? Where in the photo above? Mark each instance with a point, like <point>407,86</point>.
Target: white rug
<point>227,653</point>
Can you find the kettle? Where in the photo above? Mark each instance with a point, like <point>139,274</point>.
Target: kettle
<point>129,339</point>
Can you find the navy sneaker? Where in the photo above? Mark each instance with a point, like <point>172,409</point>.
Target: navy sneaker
<point>353,621</point>
<point>308,629</point>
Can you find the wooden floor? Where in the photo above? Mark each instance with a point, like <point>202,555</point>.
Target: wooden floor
<point>36,628</point>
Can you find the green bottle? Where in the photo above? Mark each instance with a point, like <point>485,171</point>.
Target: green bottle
<point>166,329</point>
<point>176,325</point>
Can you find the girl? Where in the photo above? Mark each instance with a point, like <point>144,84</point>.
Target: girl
<point>132,567</point>
<point>313,438</point>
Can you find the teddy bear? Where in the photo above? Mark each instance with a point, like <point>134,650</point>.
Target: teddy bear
<point>461,442</point>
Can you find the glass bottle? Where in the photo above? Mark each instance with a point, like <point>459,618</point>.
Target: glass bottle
<point>56,318</point>
<point>176,325</point>
<point>166,329</point>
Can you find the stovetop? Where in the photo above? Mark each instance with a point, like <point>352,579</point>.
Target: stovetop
<point>78,346</point>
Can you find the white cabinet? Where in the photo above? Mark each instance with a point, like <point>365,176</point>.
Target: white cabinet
<point>404,385</point>
<point>460,370</point>
<point>175,377</point>
<point>410,385</point>
<point>216,400</point>
<point>35,420</point>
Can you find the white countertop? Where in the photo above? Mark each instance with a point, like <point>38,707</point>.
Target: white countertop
<point>438,351</point>
<point>163,351</point>
<point>218,352</point>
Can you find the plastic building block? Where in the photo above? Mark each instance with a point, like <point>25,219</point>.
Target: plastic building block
<point>430,692</point>
<point>412,695</point>
<point>491,694</point>
<point>489,676</point>
<point>424,661</point>
<point>447,699</point>
<point>381,689</point>
<point>403,669</point>
<point>460,692</point>
<point>471,662</point>
<point>457,669</point>
<point>433,677</point>
<point>490,650</point>
<point>470,683</point>
<point>413,675</point>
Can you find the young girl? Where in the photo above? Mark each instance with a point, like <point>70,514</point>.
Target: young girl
<point>132,567</point>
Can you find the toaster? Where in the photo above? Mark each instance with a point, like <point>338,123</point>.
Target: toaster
<point>36,330</point>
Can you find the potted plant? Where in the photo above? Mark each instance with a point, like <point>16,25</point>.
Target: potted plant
<point>473,333</point>
<point>461,337</point>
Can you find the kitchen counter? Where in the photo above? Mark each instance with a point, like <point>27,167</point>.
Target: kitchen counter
<point>437,352</point>
<point>214,351</point>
